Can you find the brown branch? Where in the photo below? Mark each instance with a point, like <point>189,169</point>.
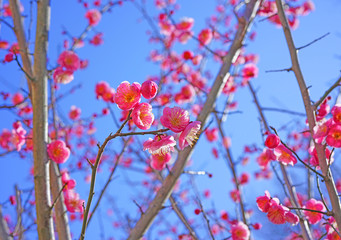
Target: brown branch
<point>291,189</point>
<point>39,94</point>
<point>312,210</point>
<point>4,230</point>
<point>108,181</point>
<point>329,181</point>
<point>232,167</point>
<point>164,192</point>
<point>20,34</point>
<point>95,166</point>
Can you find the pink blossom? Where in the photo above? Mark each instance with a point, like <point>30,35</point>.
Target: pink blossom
<point>161,144</point>
<point>189,135</point>
<point>159,161</point>
<point>4,45</point>
<point>265,158</point>
<point>57,151</point>
<point>74,113</point>
<point>227,142</point>
<point>97,39</point>
<point>13,200</point>
<point>240,231</point>
<point>69,60</point>
<point>263,202</point>
<point>235,195</point>
<point>70,183</point>
<point>334,136</point>
<point>314,159</point>
<point>17,98</point>
<point>93,16</point>
<point>5,139</point>
<point>321,130</point>
<point>176,119</point>
<point>185,24</point>
<point>62,76</point>
<point>205,36</point>
<point>212,134</point>
<point>149,89</point>
<point>284,155</point>
<point>186,95</point>
<point>272,141</point>
<point>314,217</point>
<point>336,112</point>
<point>18,138</point>
<point>291,218</point>
<point>276,213</point>
<point>142,116</point>
<point>127,96</point>
<point>72,201</point>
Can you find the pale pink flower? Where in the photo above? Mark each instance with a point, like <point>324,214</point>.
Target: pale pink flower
<point>74,113</point>
<point>284,155</point>
<point>127,96</point>
<point>62,76</point>
<point>240,231</point>
<point>161,144</point>
<point>93,16</point>
<point>72,201</point>
<point>314,217</point>
<point>18,138</point>
<point>142,116</point>
<point>176,119</point>
<point>189,135</point>
<point>265,158</point>
<point>149,89</point>
<point>57,151</point>
<point>321,130</point>
<point>69,60</point>
<point>159,161</point>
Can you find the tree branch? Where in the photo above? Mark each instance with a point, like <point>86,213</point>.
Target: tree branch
<point>329,181</point>
<point>164,192</point>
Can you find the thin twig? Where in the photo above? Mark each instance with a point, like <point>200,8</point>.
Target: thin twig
<point>320,101</point>
<point>314,41</point>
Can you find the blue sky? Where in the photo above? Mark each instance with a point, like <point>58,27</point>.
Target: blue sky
<point>123,57</point>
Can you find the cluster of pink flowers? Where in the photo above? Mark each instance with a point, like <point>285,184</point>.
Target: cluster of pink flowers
<point>128,97</point>
<point>71,199</point>
<point>14,139</point>
<point>276,212</point>
<point>68,63</point>
<point>105,92</point>
<point>177,120</point>
<point>275,151</point>
<point>269,9</point>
